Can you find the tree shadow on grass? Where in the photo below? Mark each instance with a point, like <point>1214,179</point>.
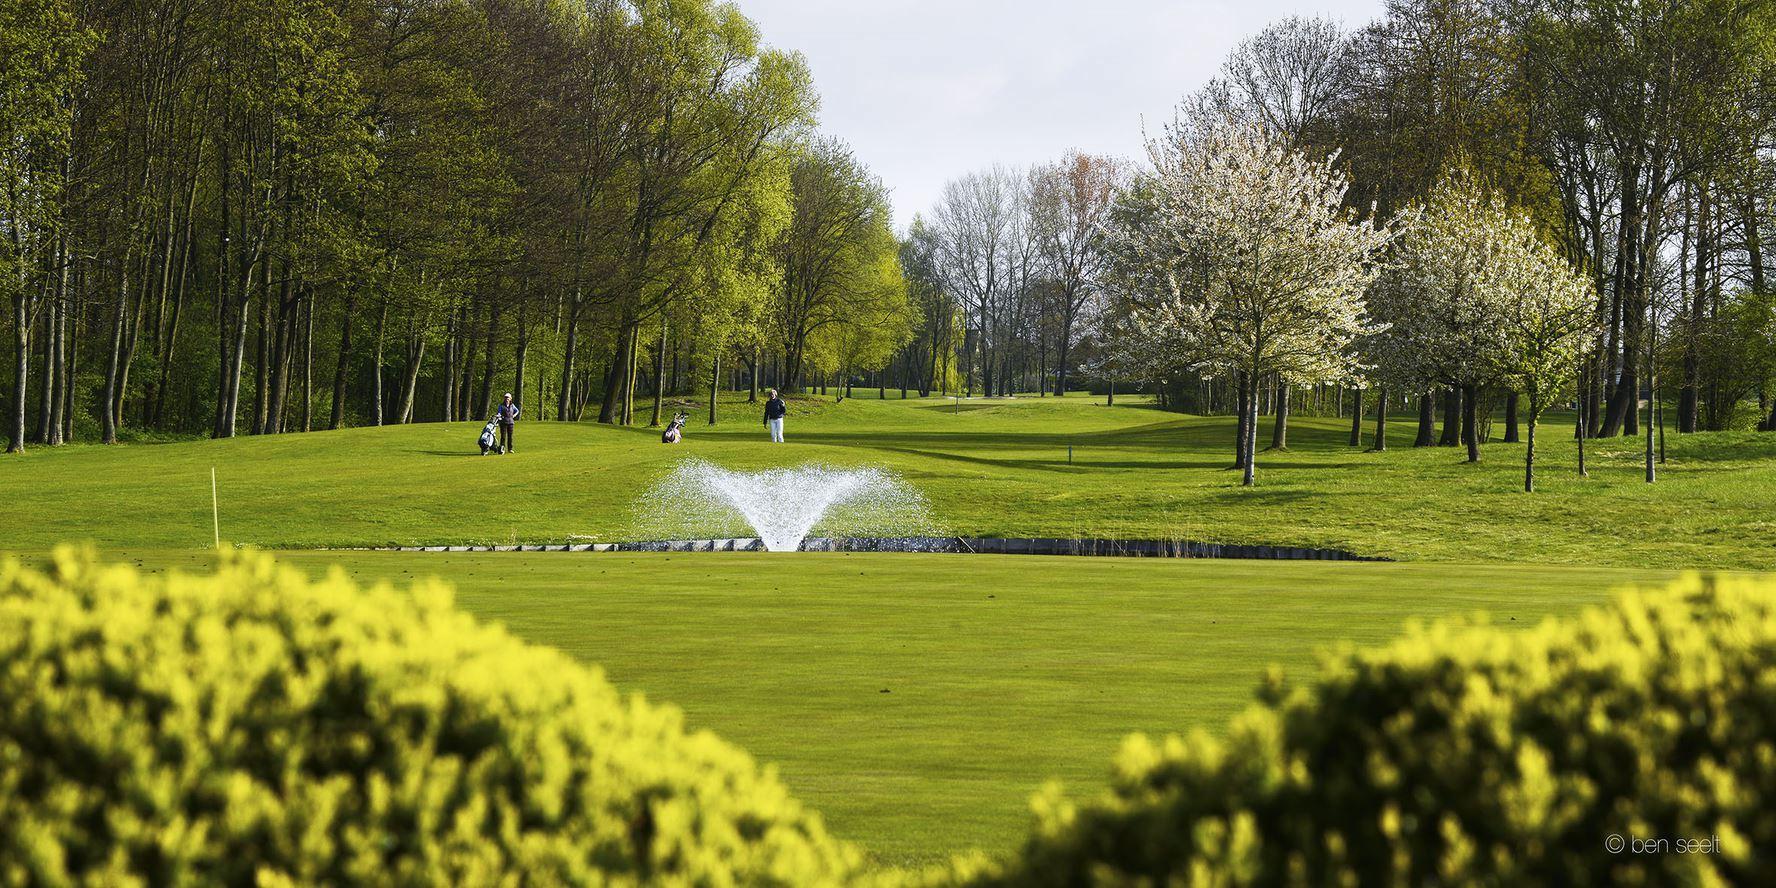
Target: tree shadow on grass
<point>1183,442</point>
<point>1268,495</point>
<point>1059,465</point>
<point>1153,434</point>
<point>954,408</point>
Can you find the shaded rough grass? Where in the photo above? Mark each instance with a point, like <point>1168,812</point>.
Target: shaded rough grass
<point>994,467</point>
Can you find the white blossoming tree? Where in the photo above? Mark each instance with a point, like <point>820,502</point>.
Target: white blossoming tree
<point>1442,304</point>
<point>1264,267</point>
<point>1394,362</point>
<point>1477,296</point>
<point>1547,315</point>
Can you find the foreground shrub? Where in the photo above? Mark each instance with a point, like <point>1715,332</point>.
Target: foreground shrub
<point>253,727</point>
<point>1469,755</point>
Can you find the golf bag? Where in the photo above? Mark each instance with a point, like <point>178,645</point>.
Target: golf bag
<point>489,438</point>
<point>674,430</point>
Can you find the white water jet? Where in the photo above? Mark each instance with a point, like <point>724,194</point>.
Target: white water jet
<point>781,506</point>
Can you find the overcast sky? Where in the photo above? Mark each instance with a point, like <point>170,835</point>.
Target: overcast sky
<point>925,90</point>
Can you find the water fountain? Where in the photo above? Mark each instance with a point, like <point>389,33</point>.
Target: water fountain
<point>782,506</point>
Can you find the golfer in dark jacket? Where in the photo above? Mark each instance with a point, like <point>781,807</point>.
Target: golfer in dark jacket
<point>774,413</point>
<point>507,414</point>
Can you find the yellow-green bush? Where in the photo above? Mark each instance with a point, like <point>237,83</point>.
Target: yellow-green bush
<point>253,727</point>
<point>1467,755</point>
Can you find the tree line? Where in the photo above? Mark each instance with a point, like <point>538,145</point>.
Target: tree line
<point>260,216</point>
<point>1450,174</point>
<point>1637,139</point>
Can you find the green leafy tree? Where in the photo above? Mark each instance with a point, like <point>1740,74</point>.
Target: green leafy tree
<point>841,270</point>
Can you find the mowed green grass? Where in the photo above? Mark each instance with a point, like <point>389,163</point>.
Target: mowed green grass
<point>918,701</point>
<point>996,468</point>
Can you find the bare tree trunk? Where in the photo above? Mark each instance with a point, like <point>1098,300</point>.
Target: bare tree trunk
<point>21,341</point>
<point>1593,395</point>
<point>606,412</point>
<point>1622,411</point>
<point>1469,426</point>
<point>1687,400</point>
<point>376,395</point>
<point>1062,353</point>
<point>170,342</point>
<point>131,334</point>
<point>453,325</point>
<point>236,364</point>
<point>609,410</point>
<point>416,347</point>
<point>659,374</point>
<point>282,344</point>
<point>1451,418</point>
<point>1659,424</point>
<point>520,355</point>
<point>49,387</point>
<point>1584,424</point>
<point>262,368</point>
<point>1356,437</point>
<point>1251,474</point>
<point>343,366</point>
<point>466,345</point>
<point>1529,450</point>
<point>487,372</point>
<point>715,364</point>
<point>1511,418</point>
<point>308,328</point>
<point>1279,427</point>
<point>113,369</point>
<point>631,374</point>
<point>1427,421</point>
<point>224,362</point>
<point>56,374</point>
<point>1381,419</point>
<point>71,350</point>
<point>1652,396</point>
<point>1244,417</point>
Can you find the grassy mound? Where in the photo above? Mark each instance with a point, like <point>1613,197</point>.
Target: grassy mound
<point>1630,746</point>
<point>253,727</point>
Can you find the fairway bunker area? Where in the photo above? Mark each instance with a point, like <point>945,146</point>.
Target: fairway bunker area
<point>941,545</point>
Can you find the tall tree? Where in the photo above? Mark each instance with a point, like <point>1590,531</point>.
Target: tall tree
<point>41,47</point>
<point>836,251</point>
<point>1070,204</point>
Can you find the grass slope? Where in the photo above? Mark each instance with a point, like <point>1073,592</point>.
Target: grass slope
<point>996,468</point>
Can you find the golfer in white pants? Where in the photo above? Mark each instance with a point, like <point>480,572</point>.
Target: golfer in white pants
<point>774,413</point>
